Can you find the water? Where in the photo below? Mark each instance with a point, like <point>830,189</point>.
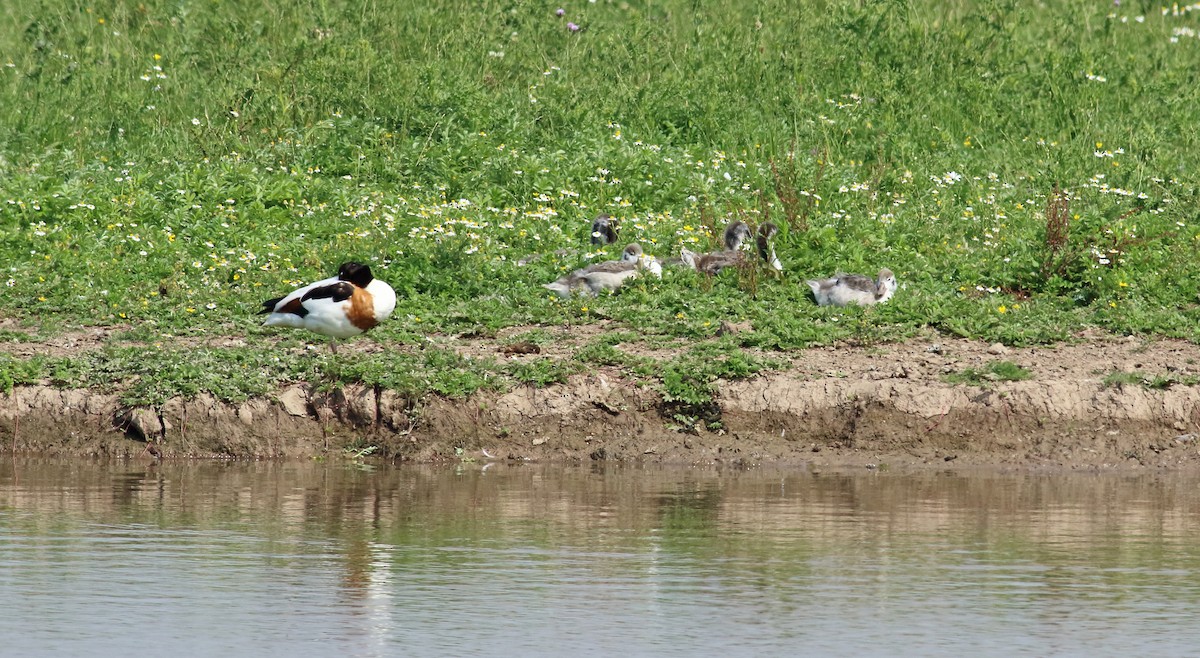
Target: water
<point>306,559</point>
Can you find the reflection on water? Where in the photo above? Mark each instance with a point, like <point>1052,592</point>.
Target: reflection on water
<point>303,559</point>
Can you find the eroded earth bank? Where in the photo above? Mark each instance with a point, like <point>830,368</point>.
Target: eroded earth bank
<point>1100,401</point>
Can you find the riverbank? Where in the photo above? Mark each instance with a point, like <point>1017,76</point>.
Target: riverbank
<point>1098,402</point>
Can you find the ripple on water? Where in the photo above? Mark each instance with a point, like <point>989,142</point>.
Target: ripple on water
<point>320,560</point>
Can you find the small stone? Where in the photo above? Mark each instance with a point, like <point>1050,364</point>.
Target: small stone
<point>294,401</point>
<point>935,348</point>
<point>145,424</point>
<point>728,327</point>
<point>997,349</point>
<point>539,441</point>
<point>522,347</point>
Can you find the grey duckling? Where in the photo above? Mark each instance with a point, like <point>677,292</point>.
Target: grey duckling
<point>735,235</point>
<point>604,229</point>
<point>846,289</point>
<point>606,275</point>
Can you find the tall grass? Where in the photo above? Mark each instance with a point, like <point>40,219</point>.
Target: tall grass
<point>169,164</point>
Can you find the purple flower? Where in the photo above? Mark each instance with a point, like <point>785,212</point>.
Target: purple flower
<point>560,11</point>
<point>572,27</point>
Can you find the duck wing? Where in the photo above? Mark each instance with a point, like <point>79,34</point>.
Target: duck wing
<point>290,303</point>
<point>334,292</point>
<point>608,266</point>
<point>716,261</point>
<point>857,282</point>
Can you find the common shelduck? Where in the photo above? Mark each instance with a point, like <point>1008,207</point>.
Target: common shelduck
<point>604,229</point>
<point>847,289</point>
<point>736,235</point>
<point>339,307</point>
<point>606,275</point>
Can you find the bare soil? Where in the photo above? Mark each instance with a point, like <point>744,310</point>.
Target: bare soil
<point>874,407</point>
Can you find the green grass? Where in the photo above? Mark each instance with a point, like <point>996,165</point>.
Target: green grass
<point>1026,172</point>
<point>1160,382</point>
<point>996,371</point>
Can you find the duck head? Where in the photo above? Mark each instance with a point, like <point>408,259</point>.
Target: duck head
<point>356,273</point>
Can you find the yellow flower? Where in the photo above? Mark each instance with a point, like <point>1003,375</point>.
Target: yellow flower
<point>1003,309</point>
<point>1123,284</point>
<point>157,57</point>
<point>1112,304</point>
<point>584,309</point>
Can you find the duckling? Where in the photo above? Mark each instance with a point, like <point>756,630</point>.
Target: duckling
<point>845,289</point>
<point>687,258</point>
<point>604,232</point>
<point>606,275</point>
<point>766,250</point>
<point>604,229</point>
<point>735,235</point>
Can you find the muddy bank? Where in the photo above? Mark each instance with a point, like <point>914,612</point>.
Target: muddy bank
<point>887,404</point>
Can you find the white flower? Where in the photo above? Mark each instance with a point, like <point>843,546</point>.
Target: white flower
<point>195,121</point>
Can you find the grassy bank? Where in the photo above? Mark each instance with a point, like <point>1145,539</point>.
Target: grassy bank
<point>1027,171</point>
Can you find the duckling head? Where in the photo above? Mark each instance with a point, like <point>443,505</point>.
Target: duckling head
<point>886,285</point>
<point>604,229</point>
<point>735,234</point>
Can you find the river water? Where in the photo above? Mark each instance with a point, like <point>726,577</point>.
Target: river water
<point>330,559</point>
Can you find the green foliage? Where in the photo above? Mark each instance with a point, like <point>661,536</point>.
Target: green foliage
<point>690,379</point>
<point>542,371</point>
<point>996,371</point>
<point>167,168</point>
<point>15,371</point>
<point>151,376</point>
<point>1120,379</point>
<point>443,372</point>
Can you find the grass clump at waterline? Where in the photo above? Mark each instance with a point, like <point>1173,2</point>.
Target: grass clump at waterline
<point>1120,379</point>
<point>996,371</point>
<point>169,165</point>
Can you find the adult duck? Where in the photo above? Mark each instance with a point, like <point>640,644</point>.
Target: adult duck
<point>342,306</point>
